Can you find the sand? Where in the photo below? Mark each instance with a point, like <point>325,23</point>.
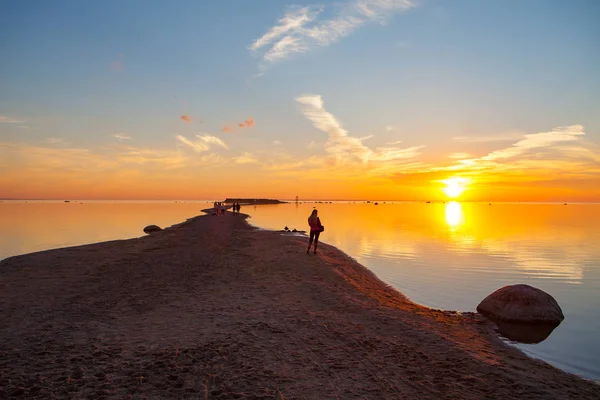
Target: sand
<point>216,309</point>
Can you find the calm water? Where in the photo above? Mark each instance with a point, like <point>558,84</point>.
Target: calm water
<point>31,226</point>
<point>446,256</point>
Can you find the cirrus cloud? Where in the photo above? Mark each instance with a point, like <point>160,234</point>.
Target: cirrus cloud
<point>203,142</point>
<point>9,120</point>
<point>344,149</point>
<point>120,136</point>
<point>300,31</point>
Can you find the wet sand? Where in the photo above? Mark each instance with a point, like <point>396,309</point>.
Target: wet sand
<point>215,309</point>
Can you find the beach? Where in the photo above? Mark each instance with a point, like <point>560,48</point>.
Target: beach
<point>213,308</point>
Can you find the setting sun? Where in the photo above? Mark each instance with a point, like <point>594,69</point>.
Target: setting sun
<point>454,186</point>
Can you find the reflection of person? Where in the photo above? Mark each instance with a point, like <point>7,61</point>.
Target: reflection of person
<point>237,205</point>
<point>315,230</point>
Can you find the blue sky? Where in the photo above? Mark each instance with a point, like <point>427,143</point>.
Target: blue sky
<point>441,77</point>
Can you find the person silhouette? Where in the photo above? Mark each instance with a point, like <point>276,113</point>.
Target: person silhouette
<point>315,230</point>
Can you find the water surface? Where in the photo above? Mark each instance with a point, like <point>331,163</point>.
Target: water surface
<point>28,226</point>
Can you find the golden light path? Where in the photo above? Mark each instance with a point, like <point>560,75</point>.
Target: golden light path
<point>454,214</point>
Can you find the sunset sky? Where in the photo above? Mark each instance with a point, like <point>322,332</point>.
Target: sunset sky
<point>352,99</point>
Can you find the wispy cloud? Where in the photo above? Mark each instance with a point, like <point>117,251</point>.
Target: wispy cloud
<point>293,20</point>
<point>208,139</point>
<point>345,149</point>
<point>186,118</point>
<point>197,146</point>
<point>277,142</point>
<point>202,143</point>
<point>300,31</point>
<point>552,155</point>
<point>120,136</point>
<point>389,128</point>
<point>246,158</point>
<point>538,140</point>
<point>9,120</point>
<point>50,159</point>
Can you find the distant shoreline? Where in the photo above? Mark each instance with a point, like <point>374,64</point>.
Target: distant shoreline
<point>288,201</point>
<point>214,305</point>
<point>249,201</point>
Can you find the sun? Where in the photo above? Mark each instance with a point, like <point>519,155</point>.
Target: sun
<point>455,186</point>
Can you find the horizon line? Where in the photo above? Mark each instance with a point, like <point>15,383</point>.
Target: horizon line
<point>317,200</point>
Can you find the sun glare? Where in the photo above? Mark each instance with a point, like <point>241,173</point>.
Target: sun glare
<point>454,214</point>
<point>455,186</point>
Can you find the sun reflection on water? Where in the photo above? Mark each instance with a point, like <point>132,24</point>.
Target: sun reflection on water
<point>454,214</point>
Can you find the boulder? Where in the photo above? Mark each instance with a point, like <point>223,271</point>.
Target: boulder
<point>152,228</point>
<point>521,304</point>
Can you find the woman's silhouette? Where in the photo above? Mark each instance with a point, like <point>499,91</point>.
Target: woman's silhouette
<point>315,230</point>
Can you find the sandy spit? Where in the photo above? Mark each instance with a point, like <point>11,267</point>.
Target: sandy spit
<point>215,309</point>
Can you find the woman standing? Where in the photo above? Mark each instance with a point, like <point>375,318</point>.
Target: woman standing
<point>315,230</point>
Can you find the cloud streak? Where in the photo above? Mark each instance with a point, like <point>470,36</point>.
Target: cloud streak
<point>538,140</point>
<point>208,139</point>
<point>557,154</point>
<point>121,137</point>
<point>344,149</point>
<point>246,158</point>
<point>203,142</point>
<point>9,120</point>
<point>300,31</point>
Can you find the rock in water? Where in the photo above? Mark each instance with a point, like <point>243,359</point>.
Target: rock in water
<point>152,229</point>
<point>521,304</point>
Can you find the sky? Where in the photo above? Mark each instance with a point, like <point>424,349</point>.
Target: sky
<point>495,100</point>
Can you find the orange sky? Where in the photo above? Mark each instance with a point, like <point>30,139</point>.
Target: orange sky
<point>558,165</point>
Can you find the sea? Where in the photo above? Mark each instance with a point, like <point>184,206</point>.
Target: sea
<point>444,255</point>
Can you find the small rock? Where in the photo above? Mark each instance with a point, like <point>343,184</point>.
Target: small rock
<point>152,228</point>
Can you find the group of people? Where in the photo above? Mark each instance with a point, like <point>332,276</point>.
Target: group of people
<point>219,208</point>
